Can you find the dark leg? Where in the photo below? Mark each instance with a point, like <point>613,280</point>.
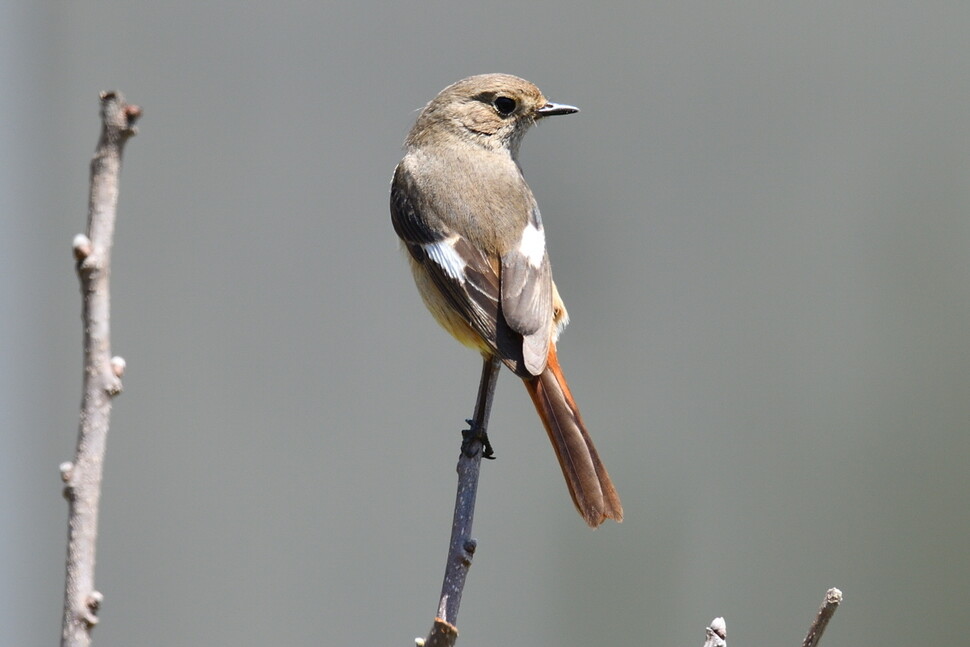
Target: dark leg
<point>477,432</point>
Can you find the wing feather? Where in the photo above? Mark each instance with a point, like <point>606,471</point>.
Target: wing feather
<point>527,301</point>
<point>464,276</point>
<point>506,300</point>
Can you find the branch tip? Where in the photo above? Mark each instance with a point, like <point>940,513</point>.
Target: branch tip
<point>117,115</point>
<point>833,597</point>
<point>719,627</point>
<point>716,633</point>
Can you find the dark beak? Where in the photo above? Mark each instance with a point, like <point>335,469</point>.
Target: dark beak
<point>552,109</point>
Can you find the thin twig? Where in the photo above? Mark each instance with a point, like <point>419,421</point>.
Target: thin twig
<point>102,373</point>
<point>833,597</point>
<point>461,550</point>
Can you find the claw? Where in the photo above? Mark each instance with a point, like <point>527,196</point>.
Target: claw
<point>470,435</point>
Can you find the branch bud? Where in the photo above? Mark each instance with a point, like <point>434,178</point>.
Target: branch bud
<point>81,246</point>
<point>118,365</point>
<point>93,604</point>
<point>716,633</point>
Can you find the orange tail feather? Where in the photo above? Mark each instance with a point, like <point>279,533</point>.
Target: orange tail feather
<point>589,485</point>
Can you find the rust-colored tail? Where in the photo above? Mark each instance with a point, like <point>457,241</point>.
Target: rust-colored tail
<point>589,484</point>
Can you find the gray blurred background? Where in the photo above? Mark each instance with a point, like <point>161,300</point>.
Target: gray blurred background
<point>760,222</point>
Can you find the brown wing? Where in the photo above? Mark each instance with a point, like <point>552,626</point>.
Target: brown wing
<point>507,301</point>
<point>466,278</point>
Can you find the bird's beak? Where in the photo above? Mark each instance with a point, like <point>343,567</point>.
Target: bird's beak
<point>552,109</point>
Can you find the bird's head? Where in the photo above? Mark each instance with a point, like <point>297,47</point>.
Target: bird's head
<point>492,110</point>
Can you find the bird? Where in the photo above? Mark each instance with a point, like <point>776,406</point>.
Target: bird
<point>476,246</point>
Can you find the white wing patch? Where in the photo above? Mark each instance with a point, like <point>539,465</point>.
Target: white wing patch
<point>443,253</point>
<point>532,245</point>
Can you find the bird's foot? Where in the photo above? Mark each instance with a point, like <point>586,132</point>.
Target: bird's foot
<point>470,436</point>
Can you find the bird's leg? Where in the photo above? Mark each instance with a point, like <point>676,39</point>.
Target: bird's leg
<point>477,432</point>
<point>474,435</point>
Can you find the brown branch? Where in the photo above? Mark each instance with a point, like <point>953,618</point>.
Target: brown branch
<point>102,373</point>
<point>833,597</point>
<point>461,549</point>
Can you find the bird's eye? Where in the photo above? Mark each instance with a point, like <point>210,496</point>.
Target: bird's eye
<point>504,105</point>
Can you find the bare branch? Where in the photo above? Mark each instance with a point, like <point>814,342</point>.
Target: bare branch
<point>833,597</point>
<point>461,549</point>
<point>717,632</point>
<point>102,373</point>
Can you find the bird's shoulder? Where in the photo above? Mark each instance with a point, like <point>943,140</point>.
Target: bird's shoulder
<point>481,195</point>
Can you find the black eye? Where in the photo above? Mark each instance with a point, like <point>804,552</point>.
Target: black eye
<point>504,105</point>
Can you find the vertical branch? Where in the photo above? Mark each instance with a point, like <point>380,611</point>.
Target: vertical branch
<point>102,373</point>
<point>461,549</point>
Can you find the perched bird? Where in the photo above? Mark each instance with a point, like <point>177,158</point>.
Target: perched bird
<point>476,246</point>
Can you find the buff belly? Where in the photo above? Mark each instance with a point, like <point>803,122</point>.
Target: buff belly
<point>443,313</point>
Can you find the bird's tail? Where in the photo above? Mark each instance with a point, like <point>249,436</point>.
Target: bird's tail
<point>589,484</point>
